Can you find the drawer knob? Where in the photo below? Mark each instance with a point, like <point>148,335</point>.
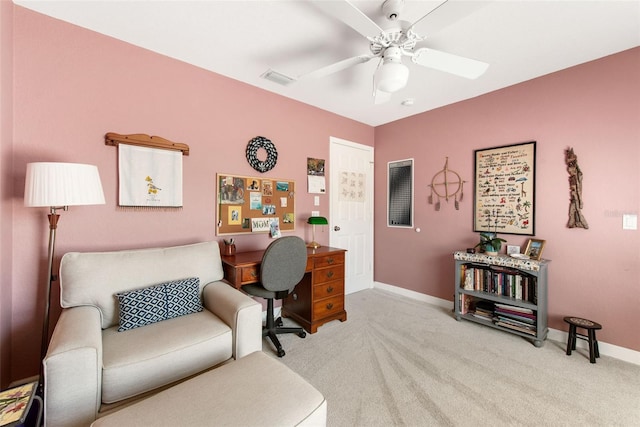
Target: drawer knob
<point>330,261</point>
<point>329,306</point>
<point>330,289</point>
<point>329,274</point>
<point>254,273</point>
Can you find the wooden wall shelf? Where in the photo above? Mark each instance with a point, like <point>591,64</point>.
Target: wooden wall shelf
<point>144,140</point>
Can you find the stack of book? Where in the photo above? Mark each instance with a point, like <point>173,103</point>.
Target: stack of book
<point>484,310</point>
<point>516,318</point>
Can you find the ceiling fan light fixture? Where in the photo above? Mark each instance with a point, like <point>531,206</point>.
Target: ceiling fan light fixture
<point>392,76</point>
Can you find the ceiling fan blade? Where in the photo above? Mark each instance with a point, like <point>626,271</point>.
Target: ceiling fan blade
<point>445,14</point>
<point>335,67</point>
<point>449,63</point>
<point>346,12</point>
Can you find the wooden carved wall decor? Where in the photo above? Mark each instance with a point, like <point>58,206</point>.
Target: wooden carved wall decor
<point>576,219</point>
<point>446,184</point>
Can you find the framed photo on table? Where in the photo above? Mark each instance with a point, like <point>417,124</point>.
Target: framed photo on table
<point>534,248</point>
<point>504,189</point>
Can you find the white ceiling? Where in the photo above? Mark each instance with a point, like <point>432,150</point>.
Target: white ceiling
<point>520,40</point>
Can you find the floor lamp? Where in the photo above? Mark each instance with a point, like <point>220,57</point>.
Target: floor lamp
<point>316,220</point>
<point>58,186</point>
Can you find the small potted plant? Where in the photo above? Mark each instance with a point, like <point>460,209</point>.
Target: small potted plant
<point>490,243</point>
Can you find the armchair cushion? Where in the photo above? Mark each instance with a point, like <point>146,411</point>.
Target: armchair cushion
<point>143,359</point>
<point>145,306</point>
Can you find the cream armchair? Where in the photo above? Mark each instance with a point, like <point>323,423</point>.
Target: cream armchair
<point>91,366</point>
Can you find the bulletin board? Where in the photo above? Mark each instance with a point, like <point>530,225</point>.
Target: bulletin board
<point>249,204</point>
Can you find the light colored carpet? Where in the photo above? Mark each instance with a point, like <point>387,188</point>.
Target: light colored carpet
<point>398,361</point>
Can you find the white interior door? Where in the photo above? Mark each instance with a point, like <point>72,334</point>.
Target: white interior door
<point>351,222</point>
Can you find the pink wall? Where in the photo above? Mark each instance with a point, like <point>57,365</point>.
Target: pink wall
<point>594,108</point>
<point>6,144</point>
<point>72,86</point>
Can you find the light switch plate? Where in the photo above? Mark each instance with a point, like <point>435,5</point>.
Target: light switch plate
<point>316,200</point>
<point>629,222</point>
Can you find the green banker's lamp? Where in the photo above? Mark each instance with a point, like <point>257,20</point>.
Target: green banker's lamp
<point>316,220</point>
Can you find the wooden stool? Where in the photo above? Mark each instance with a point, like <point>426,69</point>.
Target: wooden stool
<point>591,327</point>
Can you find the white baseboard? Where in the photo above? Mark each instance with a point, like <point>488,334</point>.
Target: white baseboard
<point>621,353</point>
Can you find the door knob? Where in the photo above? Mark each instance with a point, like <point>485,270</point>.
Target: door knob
<point>336,228</point>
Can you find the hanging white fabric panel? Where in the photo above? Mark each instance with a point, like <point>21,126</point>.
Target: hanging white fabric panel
<point>149,177</point>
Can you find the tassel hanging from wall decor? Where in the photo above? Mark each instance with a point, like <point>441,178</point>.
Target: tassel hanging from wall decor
<point>451,186</point>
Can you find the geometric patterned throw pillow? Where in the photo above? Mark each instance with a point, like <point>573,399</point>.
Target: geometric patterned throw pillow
<point>142,307</point>
<point>183,297</point>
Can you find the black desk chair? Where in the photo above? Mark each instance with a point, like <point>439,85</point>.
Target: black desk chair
<point>282,268</point>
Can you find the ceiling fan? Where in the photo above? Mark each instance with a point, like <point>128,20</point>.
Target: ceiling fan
<point>392,44</point>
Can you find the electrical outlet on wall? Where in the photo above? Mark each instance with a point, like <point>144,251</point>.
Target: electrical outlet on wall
<point>315,213</point>
<point>316,200</point>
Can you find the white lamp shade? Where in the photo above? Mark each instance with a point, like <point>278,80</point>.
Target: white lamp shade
<point>392,76</point>
<point>62,184</point>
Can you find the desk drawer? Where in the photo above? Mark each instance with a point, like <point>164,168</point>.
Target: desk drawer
<point>323,275</point>
<point>329,260</point>
<point>250,274</point>
<point>328,289</point>
<point>328,306</point>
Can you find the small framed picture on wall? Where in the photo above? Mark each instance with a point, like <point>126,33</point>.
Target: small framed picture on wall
<point>534,248</point>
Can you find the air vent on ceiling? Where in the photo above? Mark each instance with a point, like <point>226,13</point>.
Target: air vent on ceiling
<point>277,77</point>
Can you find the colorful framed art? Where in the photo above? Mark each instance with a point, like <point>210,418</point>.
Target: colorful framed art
<point>504,197</point>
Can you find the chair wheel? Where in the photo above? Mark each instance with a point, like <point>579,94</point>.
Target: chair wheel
<point>279,322</point>
<point>302,334</point>
<point>281,352</point>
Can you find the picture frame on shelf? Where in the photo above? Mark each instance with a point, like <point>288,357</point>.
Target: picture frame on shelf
<point>534,249</point>
<point>513,249</point>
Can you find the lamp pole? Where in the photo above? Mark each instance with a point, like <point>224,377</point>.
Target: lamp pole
<point>53,225</point>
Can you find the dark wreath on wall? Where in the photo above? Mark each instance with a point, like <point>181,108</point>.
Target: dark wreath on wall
<point>257,143</point>
<point>504,199</point>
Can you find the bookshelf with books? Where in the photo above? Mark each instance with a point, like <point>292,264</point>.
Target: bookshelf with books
<point>502,292</point>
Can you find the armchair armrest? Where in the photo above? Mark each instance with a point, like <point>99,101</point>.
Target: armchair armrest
<point>240,312</point>
<point>73,368</point>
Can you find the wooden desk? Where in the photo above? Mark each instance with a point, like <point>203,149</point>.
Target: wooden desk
<point>316,300</point>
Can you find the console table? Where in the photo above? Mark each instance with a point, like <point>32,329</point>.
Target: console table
<point>316,300</point>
